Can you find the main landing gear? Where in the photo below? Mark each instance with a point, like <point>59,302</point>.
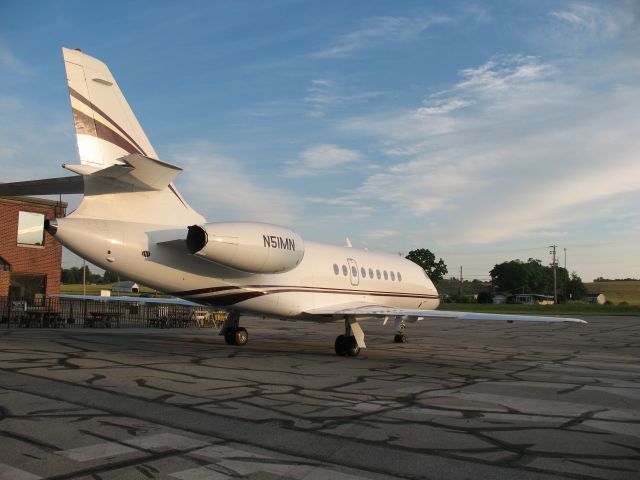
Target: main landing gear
<point>233,333</point>
<point>400,337</point>
<point>348,345</point>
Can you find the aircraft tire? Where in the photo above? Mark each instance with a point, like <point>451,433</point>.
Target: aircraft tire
<point>353,350</point>
<point>241,336</point>
<point>400,338</point>
<point>341,345</point>
<point>230,336</point>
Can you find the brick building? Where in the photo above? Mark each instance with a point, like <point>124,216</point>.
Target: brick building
<point>30,258</point>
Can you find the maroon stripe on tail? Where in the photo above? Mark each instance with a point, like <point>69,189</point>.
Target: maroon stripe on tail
<point>88,103</point>
<point>88,126</point>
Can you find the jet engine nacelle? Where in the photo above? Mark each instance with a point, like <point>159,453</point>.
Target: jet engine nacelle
<point>250,247</point>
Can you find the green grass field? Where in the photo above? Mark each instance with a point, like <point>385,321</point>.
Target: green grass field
<point>618,292</point>
<point>577,308</point>
<point>93,289</point>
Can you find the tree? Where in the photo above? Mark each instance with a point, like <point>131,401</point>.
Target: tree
<point>516,276</point>
<point>576,290</point>
<point>485,297</point>
<point>427,260</point>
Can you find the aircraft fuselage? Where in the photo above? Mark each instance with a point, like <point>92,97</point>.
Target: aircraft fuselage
<point>327,274</point>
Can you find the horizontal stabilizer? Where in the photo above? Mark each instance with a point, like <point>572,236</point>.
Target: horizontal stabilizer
<point>142,172</point>
<point>46,186</point>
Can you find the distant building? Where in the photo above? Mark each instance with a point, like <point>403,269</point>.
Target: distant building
<point>499,299</point>
<point>598,298</point>
<point>30,258</point>
<point>125,287</point>
<point>533,299</point>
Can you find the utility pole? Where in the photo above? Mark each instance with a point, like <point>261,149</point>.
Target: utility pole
<point>554,264</point>
<point>460,290</point>
<point>567,272</point>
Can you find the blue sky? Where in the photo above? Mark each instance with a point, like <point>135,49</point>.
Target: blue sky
<point>484,131</point>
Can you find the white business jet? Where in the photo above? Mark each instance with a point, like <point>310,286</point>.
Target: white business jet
<point>133,221</point>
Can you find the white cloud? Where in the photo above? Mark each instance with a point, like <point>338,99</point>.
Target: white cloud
<point>440,107</point>
<point>517,148</point>
<point>221,189</point>
<point>321,160</point>
<point>590,20</point>
<point>376,31</point>
<point>324,94</point>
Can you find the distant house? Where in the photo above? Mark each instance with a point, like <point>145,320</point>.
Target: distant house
<point>499,299</point>
<point>125,287</point>
<point>533,299</point>
<point>597,298</point>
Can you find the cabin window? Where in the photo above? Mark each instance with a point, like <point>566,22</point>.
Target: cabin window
<point>336,270</point>
<point>363,272</point>
<point>378,274</point>
<point>393,277</point>
<point>354,271</point>
<point>399,277</point>
<point>371,273</point>
<point>345,272</point>
<point>386,277</point>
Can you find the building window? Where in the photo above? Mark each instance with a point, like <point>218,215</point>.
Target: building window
<point>4,265</point>
<point>31,229</point>
<point>336,270</point>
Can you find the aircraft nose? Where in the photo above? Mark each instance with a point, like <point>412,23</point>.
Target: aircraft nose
<point>51,226</point>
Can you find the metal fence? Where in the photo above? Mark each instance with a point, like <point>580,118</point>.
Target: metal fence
<point>54,312</point>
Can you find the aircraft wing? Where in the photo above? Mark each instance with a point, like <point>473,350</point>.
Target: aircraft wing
<point>367,310</point>
<point>47,186</point>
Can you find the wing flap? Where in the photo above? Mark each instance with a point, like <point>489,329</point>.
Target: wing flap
<point>361,309</point>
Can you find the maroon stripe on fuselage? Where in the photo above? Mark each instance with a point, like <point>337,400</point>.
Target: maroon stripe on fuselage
<point>230,296</point>
<point>88,103</point>
<point>227,300</point>
<point>296,288</point>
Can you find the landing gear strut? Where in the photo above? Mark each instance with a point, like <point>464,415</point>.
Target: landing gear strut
<point>232,332</point>
<point>400,337</point>
<point>347,345</point>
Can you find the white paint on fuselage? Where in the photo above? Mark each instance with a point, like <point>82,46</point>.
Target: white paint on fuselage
<point>119,246</point>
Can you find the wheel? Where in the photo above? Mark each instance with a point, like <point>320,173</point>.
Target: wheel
<point>230,336</point>
<point>352,347</point>
<point>241,336</point>
<point>400,338</point>
<point>341,345</point>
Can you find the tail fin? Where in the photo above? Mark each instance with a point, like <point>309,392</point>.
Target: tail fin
<point>123,177</point>
<point>106,127</point>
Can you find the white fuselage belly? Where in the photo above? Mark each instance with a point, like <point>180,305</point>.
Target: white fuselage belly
<point>149,254</point>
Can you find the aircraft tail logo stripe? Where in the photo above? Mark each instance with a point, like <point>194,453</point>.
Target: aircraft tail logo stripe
<point>99,111</point>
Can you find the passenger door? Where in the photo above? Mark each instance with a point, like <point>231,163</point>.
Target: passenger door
<point>354,274</point>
